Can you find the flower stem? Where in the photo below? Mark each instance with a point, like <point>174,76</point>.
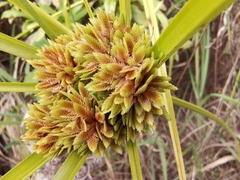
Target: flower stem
<point>149,9</point>
<point>134,160</point>
<point>90,13</point>
<point>17,87</point>
<point>125,9</point>
<point>71,166</point>
<point>66,14</point>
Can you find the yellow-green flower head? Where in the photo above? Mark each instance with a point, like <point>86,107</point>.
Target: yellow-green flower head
<point>99,87</point>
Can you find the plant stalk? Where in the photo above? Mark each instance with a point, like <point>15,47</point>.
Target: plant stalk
<point>17,87</point>
<point>150,14</point>
<point>135,166</point>
<point>125,9</point>
<point>90,13</point>
<point>134,160</point>
<point>71,166</point>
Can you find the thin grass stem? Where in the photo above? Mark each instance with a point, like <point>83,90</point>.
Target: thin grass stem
<point>71,166</point>
<point>150,13</point>
<point>125,9</point>
<point>66,15</point>
<point>134,160</point>
<point>17,87</point>
<point>90,13</point>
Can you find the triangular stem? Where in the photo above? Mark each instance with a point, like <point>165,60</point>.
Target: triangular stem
<point>134,160</point>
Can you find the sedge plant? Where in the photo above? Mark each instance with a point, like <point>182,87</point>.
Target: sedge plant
<point>101,84</point>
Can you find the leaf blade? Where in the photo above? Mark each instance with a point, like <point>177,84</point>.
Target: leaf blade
<point>195,15</point>
<point>26,167</point>
<point>51,26</point>
<point>18,48</point>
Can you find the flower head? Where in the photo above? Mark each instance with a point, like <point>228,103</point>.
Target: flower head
<point>99,87</point>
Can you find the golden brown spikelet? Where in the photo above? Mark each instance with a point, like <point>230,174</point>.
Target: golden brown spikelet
<point>98,88</point>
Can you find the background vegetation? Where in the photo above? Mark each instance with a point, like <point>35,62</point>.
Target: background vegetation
<point>206,71</point>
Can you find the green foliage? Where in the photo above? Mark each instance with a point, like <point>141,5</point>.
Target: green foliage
<point>27,168</point>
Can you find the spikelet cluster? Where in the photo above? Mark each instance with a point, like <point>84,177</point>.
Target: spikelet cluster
<point>98,87</point>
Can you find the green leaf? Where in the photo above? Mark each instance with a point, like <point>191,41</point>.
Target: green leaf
<point>6,75</point>
<point>71,166</point>
<point>51,26</point>
<point>17,87</point>
<point>205,113</point>
<point>110,6</point>
<point>227,98</point>
<point>17,48</point>
<point>195,15</point>
<point>9,122</point>
<point>26,167</point>
<point>29,77</point>
<point>205,61</point>
<point>76,10</point>
<point>137,15</point>
<point>13,14</point>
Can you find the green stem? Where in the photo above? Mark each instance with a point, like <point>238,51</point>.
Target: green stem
<point>17,87</point>
<point>125,9</point>
<point>71,166</point>
<point>174,132</point>
<point>90,13</point>
<point>149,9</point>
<point>66,14</point>
<point>134,160</point>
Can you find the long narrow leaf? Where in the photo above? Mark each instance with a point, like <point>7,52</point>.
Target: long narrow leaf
<point>51,26</point>
<point>227,98</point>
<point>71,166</point>
<point>16,47</point>
<point>195,15</point>
<point>197,109</point>
<point>4,74</point>
<point>55,15</point>
<point>205,61</point>
<point>26,167</point>
<point>17,87</point>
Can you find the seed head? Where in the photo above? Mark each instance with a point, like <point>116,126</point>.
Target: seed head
<point>99,87</point>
